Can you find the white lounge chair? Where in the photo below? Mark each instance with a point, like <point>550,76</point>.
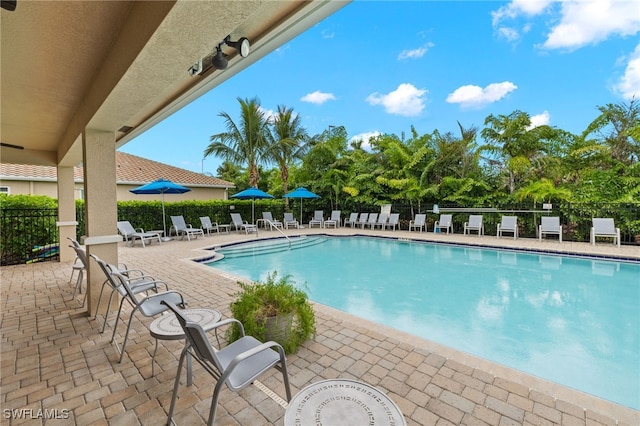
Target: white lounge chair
<point>373,219</point>
<point>241,225</point>
<point>334,220</point>
<point>445,222</point>
<point>353,220</point>
<point>267,218</point>
<point>394,220</point>
<point>289,220</point>
<point>362,219</point>
<point>182,228</point>
<point>508,224</point>
<point>474,224</point>
<point>207,226</point>
<point>550,226</point>
<point>318,219</point>
<point>132,234</point>
<point>382,221</point>
<point>605,227</point>
<point>418,222</point>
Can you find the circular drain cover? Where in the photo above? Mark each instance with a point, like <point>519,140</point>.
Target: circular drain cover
<point>342,402</point>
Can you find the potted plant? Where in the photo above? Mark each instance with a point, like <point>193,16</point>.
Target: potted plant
<point>273,310</point>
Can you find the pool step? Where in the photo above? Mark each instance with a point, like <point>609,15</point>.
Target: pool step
<point>270,246</point>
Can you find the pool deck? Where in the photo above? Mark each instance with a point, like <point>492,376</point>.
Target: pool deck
<point>54,358</point>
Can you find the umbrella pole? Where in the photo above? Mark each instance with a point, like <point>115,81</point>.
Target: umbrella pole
<point>164,222</point>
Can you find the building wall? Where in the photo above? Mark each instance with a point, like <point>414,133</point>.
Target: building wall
<point>50,189</point>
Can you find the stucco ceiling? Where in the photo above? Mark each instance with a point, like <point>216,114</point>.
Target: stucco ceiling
<point>111,65</point>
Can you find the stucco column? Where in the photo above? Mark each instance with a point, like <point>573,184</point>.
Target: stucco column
<point>101,210</point>
<point>66,212</point>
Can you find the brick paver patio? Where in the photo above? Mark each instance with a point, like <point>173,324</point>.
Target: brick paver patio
<point>55,362</point>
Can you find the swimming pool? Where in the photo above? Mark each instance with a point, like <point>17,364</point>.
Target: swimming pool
<point>571,320</point>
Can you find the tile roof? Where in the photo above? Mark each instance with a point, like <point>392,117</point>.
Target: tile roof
<point>130,169</point>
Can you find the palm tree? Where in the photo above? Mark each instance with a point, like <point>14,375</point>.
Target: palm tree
<point>288,142</point>
<point>245,143</point>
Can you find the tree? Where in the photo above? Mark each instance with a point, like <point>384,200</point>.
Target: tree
<point>288,143</point>
<point>245,143</point>
<point>618,128</point>
<point>516,145</point>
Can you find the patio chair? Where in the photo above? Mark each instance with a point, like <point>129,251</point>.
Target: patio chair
<point>550,226</point>
<point>241,225</point>
<point>383,218</point>
<point>132,234</point>
<point>77,265</point>
<point>362,219</point>
<point>207,226</point>
<point>267,217</point>
<point>445,222</point>
<point>183,228</point>
<point>138,281</point>
<point>474,224</point>
<point>418,222</point>
<point>394,220</point>
<point>148,306</point>
<point>81,256</point>
<point>353,220</point>
<point>289,220</point>
<point>318,219</point>
<point>237,365</point>
<point>508,224</point>
<point>605,227</point>
<point>334,221</point>
<point>373,219</point>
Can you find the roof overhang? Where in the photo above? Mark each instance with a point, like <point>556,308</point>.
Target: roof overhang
<point>122,66</point>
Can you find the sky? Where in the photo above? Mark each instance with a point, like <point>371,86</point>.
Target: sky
<point>379,67</point>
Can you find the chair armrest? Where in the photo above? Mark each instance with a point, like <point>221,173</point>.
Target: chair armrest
<point>267,346</point>
<point>140,230</point>
<point>153,303</point>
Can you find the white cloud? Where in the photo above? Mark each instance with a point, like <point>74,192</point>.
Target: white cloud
<point>476,96</point>
<point>364,137</point>
<point>406,100</point>
<point>318,97</point>
<point>513,10</point>
<point>327,34</point>
<point>578,22</point>
<point>591,21</point>
<point>540,120</point>
<point>629,84</point>
<point>415,53</point>
<point>269,114</point>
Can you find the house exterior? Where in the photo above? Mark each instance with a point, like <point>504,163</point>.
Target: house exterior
<point>131,172</point>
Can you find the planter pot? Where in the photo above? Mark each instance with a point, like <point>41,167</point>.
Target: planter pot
<point>278,328</point>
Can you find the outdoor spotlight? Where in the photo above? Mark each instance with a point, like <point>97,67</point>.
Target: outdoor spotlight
<point>242,45</point>
<point>219,61</point>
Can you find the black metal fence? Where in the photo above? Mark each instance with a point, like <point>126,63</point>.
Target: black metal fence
<point>31,235</point>
<point>28,235</point>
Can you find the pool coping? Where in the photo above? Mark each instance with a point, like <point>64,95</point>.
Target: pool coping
<point>479,245</point>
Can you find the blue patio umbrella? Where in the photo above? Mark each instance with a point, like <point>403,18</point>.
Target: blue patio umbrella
<point>252,194</point>
<point>301,193</point>
<point>161,186</point>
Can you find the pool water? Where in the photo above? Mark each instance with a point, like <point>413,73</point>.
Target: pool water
<point>574,321</point>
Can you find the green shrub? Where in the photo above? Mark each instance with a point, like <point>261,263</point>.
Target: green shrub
<point>256,303</point>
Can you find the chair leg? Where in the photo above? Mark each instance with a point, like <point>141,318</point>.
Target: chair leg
<point>176,384</point>
<point>126,334</point>
<point>78,283</point>
<point>115,326</point>
<point>214,402</point>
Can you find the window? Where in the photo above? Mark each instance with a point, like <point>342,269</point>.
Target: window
<point>5,190</point>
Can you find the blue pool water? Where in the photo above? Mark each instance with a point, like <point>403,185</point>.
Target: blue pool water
<point>571,320</point>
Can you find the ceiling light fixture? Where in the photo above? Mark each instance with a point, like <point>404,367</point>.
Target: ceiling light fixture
<point>218,59</point>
